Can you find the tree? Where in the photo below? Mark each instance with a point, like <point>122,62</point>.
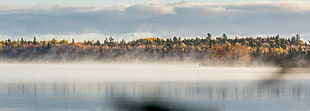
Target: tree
<point>49,45</point>
<point>98,43</point>
<point>294,40</point>
<point>73,41</point>
<point>209,36</point>
<point>111,39</point>
<point>22,40</point>
<point>175,39</point>
<point>106,42</point>
<point>224,36</point>
<point>123,42</point>
<point>277,41</point>
<point>297,37</point>
<point>54,41</point>
<point>34,40</point>
<point>63,41</point>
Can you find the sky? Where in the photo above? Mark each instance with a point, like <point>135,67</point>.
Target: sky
<point>132,19</point>
<point>115,2</point>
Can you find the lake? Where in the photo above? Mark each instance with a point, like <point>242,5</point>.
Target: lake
<point>114,87</point>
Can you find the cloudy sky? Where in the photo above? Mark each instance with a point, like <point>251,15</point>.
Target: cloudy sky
<point>97,19</point>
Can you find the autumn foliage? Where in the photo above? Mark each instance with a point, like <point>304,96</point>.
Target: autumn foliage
<point>220,50</point>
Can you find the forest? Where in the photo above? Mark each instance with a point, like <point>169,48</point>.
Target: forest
<point>270,50</point>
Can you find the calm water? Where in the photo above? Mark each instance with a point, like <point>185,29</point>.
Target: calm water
<point>65,87</point>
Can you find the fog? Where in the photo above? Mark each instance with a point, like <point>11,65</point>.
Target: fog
<point>151,87</point>
<point>140,72</point>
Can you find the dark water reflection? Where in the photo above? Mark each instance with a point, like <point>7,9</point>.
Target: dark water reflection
<point>286,95</point>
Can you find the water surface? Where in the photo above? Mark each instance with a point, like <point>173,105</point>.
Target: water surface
<point>97,87</point>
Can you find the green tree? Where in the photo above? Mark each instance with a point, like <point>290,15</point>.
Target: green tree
<point>123,42</point>
<point>277,41</point>
<point>73,41</point>
<point>298,37</point>
<point>34,40</point>
<point>209,36</point>
<point>175,39</point>
<point>224,36</point>
<point>98,43</point>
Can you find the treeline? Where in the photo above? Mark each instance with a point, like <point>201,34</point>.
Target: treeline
<point>207,50</point>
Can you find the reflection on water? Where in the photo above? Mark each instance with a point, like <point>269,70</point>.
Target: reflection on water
<point>97,87</point>
<point>91,96</point>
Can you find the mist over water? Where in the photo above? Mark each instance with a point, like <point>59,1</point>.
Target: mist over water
<point>139,72</point>
<point>114,87</point>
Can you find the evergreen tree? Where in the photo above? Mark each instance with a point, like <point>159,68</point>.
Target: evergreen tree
<point>34,40</point>
<point>98,43</point>
<point>73,41</point>
<point>224,36</point>
<point>297,37</point>
<point>209,36</point>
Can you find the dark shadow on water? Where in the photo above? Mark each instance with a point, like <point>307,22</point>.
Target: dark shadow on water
<point>140,96</point>
<point>275,79</point>
<point>155,104</point>
<point>286,64</point>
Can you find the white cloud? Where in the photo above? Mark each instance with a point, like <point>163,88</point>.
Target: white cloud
<point>180,18</point>
<point>203,9</point>
<point>159,8</point>
<point>119,7</point>
<point>298,7</point>
<point>154,8</point>
<point>79,37</point>
<point>272,6</point>
<point>7,7</point>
